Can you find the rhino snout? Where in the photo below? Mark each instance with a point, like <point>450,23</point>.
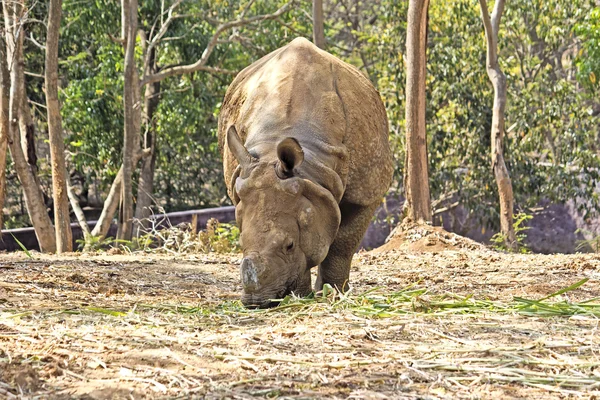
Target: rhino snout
<point>249,275</point>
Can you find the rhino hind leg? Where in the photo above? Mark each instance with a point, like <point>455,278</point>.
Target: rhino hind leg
<point>335,269</point>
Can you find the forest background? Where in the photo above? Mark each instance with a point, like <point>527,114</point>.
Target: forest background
<point>549,51</point>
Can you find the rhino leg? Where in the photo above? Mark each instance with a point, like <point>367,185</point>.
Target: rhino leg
<point>335,269</point>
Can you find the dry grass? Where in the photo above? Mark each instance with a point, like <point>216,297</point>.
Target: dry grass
<point>451,324</point>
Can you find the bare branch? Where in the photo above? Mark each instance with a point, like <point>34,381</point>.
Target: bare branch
<point>116,39</point>
<point>33,74</point>
<point>24,20</point>
<point>492,55</point>
<point>496,16</point>
<point>200,65</point>
<point>78,211</point>
<point>36,104</point>
<point>35,42</point>
<point>203,68</point>
<point>290,27</point>
<point>172,38</point>
<point>161,32</point>
<point>243,14</point>
<point>438,211</point>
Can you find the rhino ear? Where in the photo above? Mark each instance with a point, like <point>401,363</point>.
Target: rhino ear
<point>237,148</point>
<point>321,217</point>
<point>290,156</point>
<point>232,188</point>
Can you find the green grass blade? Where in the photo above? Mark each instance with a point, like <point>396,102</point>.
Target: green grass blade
<point>567,289</point>
<point>106,311</point>
<point>27,252</point>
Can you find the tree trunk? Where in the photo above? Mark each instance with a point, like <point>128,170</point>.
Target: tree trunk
<point>27,128</point>
<point>112,201</point>
<point>146,179</point>
<point>498,80</point>
<point>33,196</point>
<point>318,24</point>
<point>4,104</point>
<point>416,174</point>
<point>62,220</point>
<point>26,124</point>
<point>110,207</point>
<point>132,113</point>
<point>131,85</point>
<point>78,213</point>
<point>13,14</point>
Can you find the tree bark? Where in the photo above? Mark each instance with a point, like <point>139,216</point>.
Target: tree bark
<point>26,124</point>
<point>131,85</point>
<point>4,104</point>
<point>62,220</point>
<point>36,208</point>
<point>111,204</point>
<point>416,174</point>
<point>146,179</point>
<point>498,80</point>
<point>14,14</point>
<point>27,127</point>
<point>318,24</point>
<point>78,213</point>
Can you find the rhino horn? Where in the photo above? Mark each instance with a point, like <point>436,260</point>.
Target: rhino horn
<point>290,156</point>
<point>236,146</point>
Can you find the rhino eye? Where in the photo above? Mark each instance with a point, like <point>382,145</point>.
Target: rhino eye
<point>290,246</point>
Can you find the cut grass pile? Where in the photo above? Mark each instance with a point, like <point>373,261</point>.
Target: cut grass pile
<point>468,364</point>
<point>413,299</point>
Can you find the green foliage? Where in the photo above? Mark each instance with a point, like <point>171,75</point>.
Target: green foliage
<point>188,172</point>
<point>588,58</point>
<point>553,152</point>
<point>16,221</point>
<point>95,243</point>
<point>499,239</point>
<point>550,146</point>
<point>217,237</point>
<point>585,244</point>
<point>549,50</point>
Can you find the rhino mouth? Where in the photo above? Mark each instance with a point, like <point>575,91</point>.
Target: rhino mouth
<point>253,300</point>
<point>271,298</point>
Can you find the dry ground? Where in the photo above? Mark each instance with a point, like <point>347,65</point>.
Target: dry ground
<point>428,325</point>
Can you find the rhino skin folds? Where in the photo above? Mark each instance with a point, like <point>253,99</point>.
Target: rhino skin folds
<point>306,159</point>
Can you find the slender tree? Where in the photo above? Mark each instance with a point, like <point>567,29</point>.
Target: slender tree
<point>133,111</point>
<point>132,95</point>
<point>498,79</point>
<point>4,104</point>
<point>416,174</point>
<point>129,19</point>
<point>146,176</point>
<point>318,24</point>
<point>62,220</point>
<point>13,19</point>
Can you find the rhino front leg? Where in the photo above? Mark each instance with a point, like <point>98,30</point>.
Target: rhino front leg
<point>335,269</point>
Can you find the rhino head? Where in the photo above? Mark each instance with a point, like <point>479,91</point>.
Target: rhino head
<point>287,223</point>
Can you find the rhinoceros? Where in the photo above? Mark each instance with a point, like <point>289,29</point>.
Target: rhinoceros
<point>306,158</point>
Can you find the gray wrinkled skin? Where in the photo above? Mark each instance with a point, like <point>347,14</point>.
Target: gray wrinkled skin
<point>306,159</point>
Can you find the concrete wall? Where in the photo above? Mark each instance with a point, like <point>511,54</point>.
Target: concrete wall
<point>555,228</point>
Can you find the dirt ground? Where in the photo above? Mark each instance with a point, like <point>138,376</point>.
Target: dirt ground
<point>157,326</point>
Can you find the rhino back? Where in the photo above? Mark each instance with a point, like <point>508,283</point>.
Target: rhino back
<point>329,106</point>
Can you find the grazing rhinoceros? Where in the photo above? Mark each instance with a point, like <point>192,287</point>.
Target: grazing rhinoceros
<point>304,139</point>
